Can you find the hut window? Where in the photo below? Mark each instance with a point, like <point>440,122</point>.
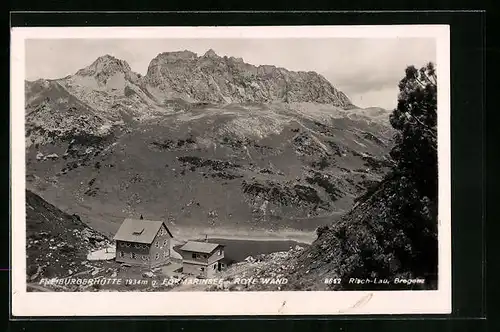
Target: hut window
<point>165,254</point>
<point>121,254</point>
<point>219,252</point>
<point>127,244</point>
<point>193,256</point>
<point>165,242</point>
<point>202,269</point>
<point>144,257</point>
<point>157,244</point>
<point>157,256</point>
<point>133,255</point>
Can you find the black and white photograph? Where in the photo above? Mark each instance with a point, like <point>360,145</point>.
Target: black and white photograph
<point>170,164</point>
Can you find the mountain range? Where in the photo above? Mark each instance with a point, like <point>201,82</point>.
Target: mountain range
<point>201,141</point>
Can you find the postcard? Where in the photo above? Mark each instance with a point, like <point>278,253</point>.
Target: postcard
<point>190,171</point>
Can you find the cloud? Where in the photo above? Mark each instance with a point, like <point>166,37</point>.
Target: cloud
<point>367,70</point>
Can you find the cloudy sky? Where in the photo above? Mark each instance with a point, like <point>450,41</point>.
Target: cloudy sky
<point>367,70</point>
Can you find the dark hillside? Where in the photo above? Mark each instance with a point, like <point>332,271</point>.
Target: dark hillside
<point>374,241</point>
<point>56,243</point>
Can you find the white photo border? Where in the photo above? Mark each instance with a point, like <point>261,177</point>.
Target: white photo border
<point>227,303</point>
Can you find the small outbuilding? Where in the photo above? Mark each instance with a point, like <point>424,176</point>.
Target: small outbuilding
<point>202,259</point>
<point>143,242</point>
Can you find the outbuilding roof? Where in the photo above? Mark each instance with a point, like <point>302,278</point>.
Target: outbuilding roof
<point>204,247</point>
<point>139,230</point>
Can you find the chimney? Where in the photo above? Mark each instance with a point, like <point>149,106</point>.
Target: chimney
<point>206,237</point>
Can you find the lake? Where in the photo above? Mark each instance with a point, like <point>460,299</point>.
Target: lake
<point>238,250</point>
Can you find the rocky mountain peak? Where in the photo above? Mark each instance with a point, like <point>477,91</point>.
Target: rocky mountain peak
<point>107,65</point>
<point>175,56</point>
<point>238,60</point>
<point>210,54</point>
<point>209,78</point>
<point>215,79</point>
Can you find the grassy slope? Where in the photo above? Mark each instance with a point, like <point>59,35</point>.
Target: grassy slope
<point>177,167</point>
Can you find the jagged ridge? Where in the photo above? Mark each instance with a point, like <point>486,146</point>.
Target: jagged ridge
<point>211,78</point>
<point>109,86</point>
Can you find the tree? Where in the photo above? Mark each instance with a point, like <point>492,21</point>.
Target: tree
<point>415,155</point>
<point>415,121</point>
<point>392,230</point>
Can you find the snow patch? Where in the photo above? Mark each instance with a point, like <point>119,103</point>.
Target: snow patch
<point>359,143</point>
<point>105,254</point>
<point>258,127</point>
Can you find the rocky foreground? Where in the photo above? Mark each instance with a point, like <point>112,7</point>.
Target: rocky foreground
<point>268,272</point>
